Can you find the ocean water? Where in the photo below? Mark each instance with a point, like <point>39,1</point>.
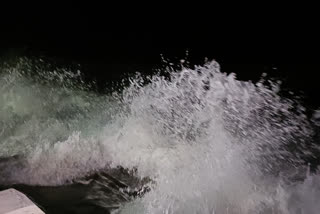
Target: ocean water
<point>195,140</point>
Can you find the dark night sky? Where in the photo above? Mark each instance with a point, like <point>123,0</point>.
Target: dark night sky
<point>107,46</point>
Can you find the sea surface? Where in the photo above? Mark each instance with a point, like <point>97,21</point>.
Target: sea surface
<point>195,140</point>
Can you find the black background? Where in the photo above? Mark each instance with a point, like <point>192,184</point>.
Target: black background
<point>107,46</point>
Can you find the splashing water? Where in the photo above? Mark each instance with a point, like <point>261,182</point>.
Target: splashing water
<point>210,143</point>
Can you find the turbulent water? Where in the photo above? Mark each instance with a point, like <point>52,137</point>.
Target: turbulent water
<point>200,140</point>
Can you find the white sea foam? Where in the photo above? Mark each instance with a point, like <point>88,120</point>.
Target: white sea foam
<point>210,143</point>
